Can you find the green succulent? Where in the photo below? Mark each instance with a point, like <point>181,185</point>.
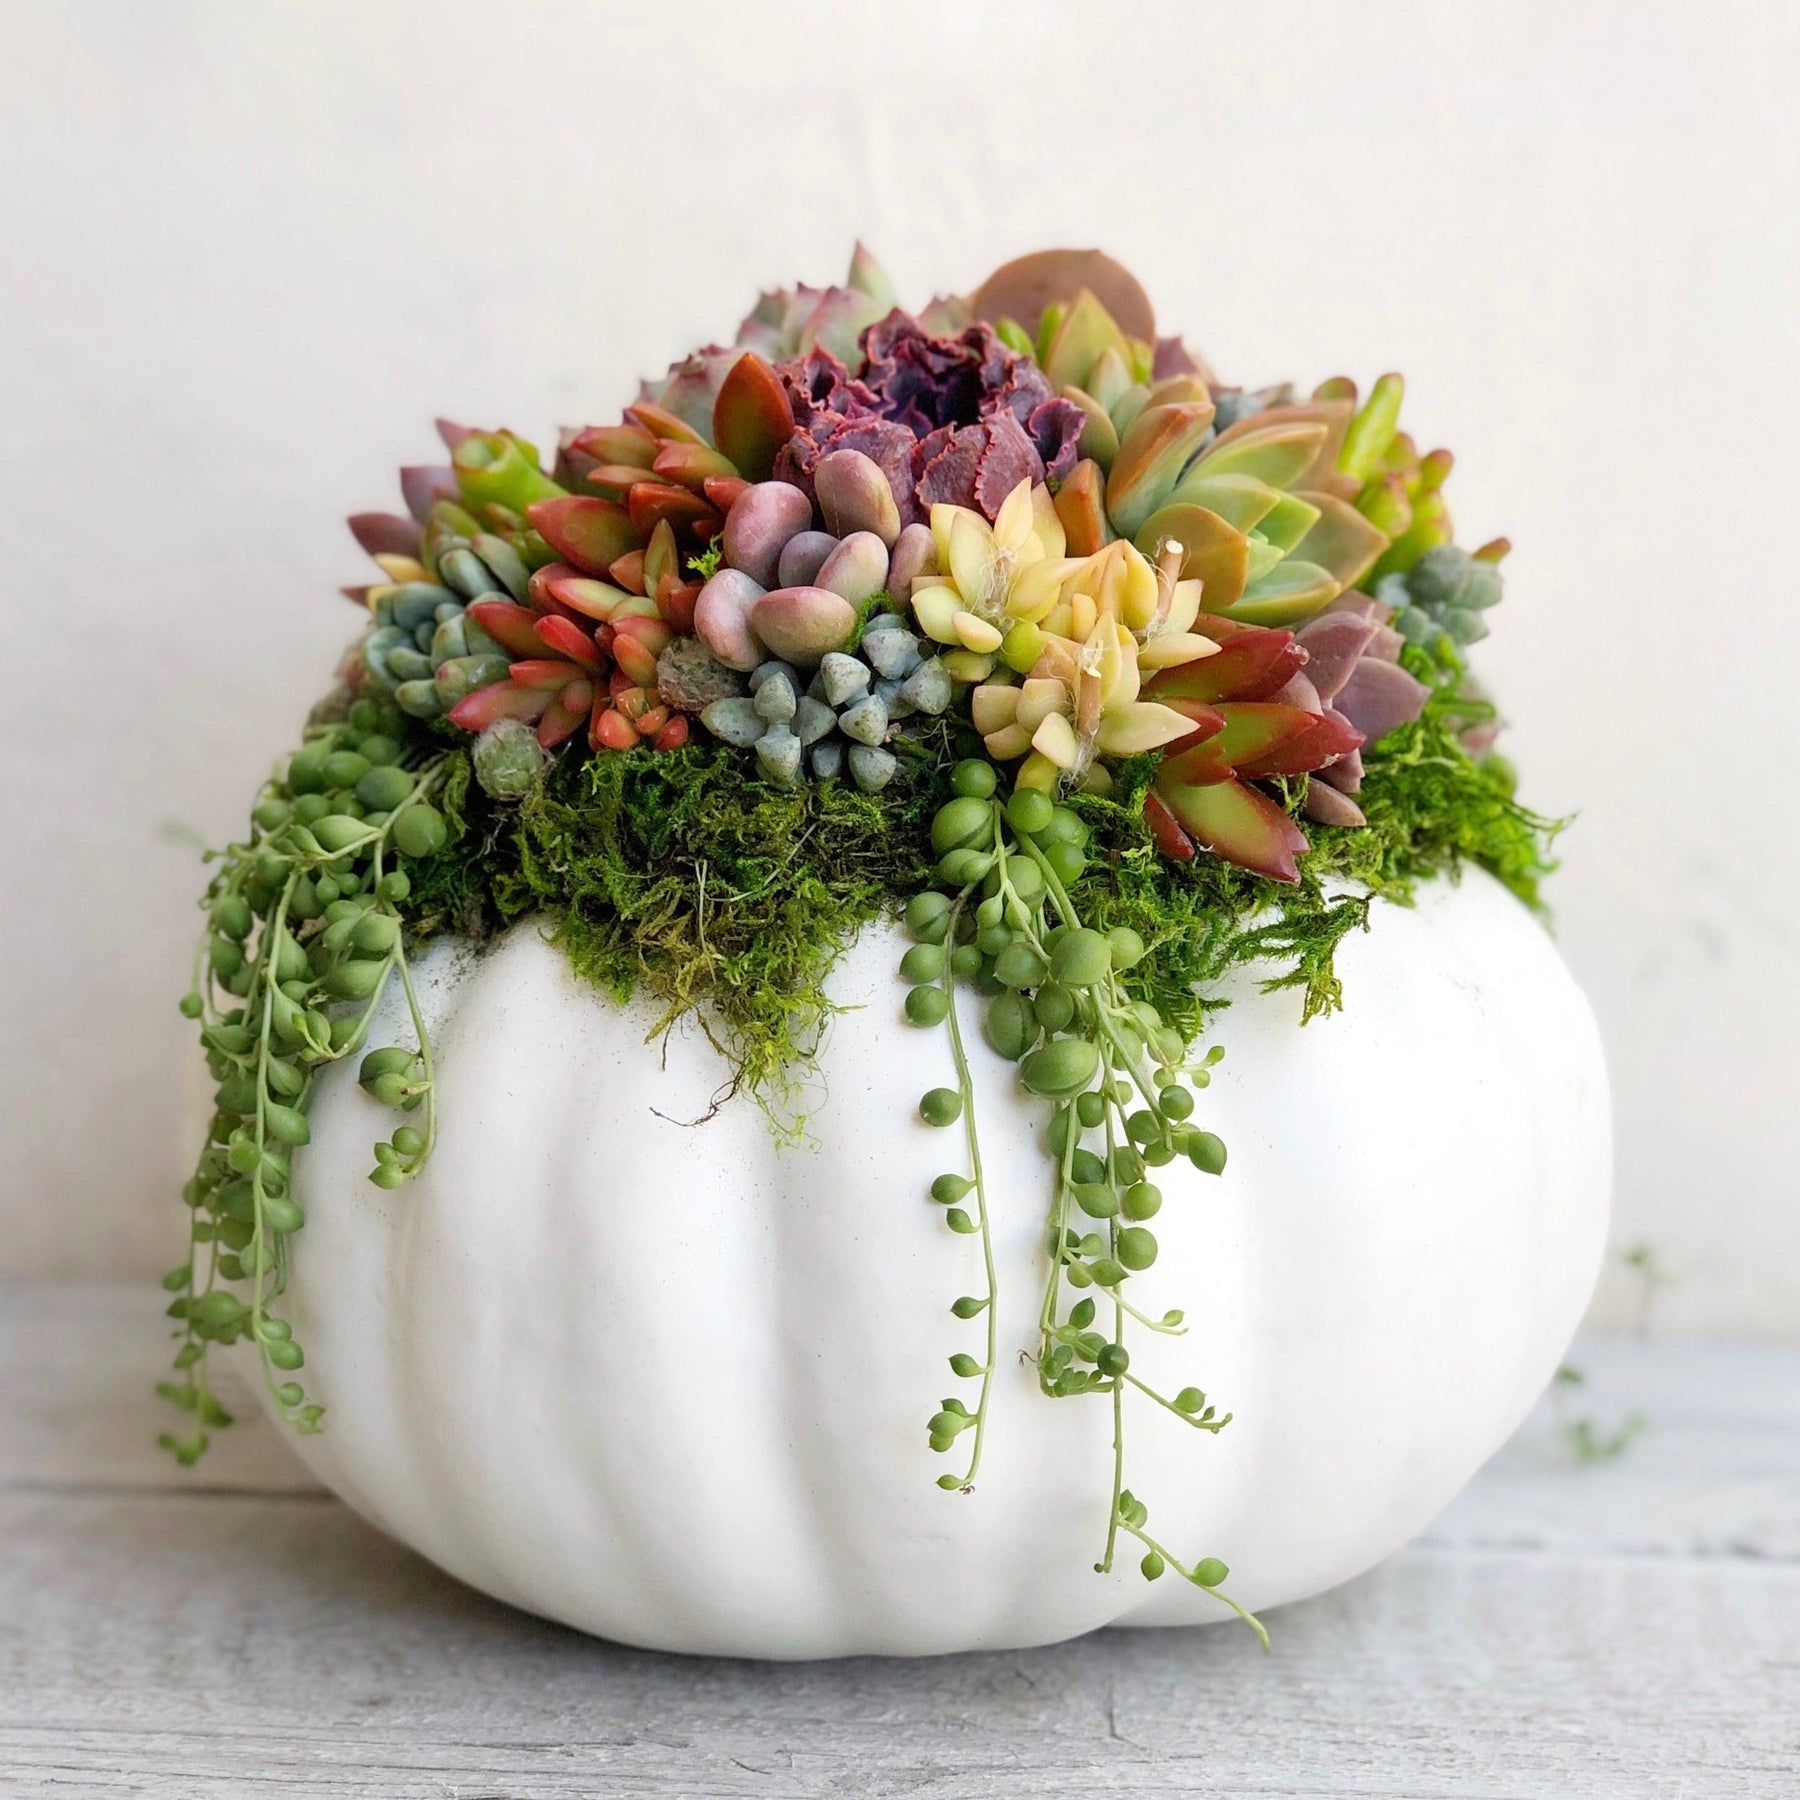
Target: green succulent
<point>421,646</point>
<point>856,705</point>
<point>1248,484</point>
<point>788,322</point>
<point>1442,599</point>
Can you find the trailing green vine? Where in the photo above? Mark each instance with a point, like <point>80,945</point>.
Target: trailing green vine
<point>303,933</point>
<point>1001,917</point>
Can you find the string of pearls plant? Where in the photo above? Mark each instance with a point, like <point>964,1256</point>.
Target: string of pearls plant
<point>1001,919</point>
<point>303,934</point>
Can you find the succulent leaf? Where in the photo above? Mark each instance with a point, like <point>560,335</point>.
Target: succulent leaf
<point>1289,594</point>
<point>1341,539</point>
<point>1214,553</point>
<point>423,485</point>
<point>629,445</point>
<point>1171,840</point>
<point>1278,454</point>
<point>1085,335</point>
<point>387,534</point>
<point>752,418</point>
<point>1252,664</point>
<point>479,710</point>
<point>512,627</point>
<point>1379,697</point>
<point>689,465</point>
<point>651,502</point>
<point>588,533</point>
<point>1238,823</point>
<point>1371,431</point>
<point>1329,736</point>
<point>868,277</point>
<point>1152,455</point>
<point>1028,286</point>
<point>1140,725</point>
<point>1099,437</point>
<point>1253,731</point>
<point>1241,501</point>
<point>1081,506</point>
<point>1288,521</point>
<point>568,639</point>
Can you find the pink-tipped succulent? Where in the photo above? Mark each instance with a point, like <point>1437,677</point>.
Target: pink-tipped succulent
<point>584,657</point>
<point>1353,673</point>
<point>1250,724</point>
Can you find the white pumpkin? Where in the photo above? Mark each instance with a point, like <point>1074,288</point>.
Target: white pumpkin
<point>668,1383</point>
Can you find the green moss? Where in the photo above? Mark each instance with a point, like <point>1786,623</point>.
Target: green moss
<point>1431,809</point>
<point>684,878</point>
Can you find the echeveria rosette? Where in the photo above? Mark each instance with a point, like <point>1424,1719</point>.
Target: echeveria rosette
<point>1082,631</point>
<point>956,420</point>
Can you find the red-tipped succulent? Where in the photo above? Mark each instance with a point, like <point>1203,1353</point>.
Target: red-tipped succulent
<point>1248,726</point>
<point>585,633</point>
<point>584,655</point>
<point>1276,703</point>
<point>657,467</point>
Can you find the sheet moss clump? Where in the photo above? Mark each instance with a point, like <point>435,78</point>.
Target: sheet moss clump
<point>721,898</point>
<point>682,878</point>
<point>1431,809</point>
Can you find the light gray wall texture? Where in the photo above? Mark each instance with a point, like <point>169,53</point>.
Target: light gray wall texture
<point>252,249</point>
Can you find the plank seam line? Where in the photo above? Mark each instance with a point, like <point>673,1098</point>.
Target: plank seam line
<point>126,1490</point>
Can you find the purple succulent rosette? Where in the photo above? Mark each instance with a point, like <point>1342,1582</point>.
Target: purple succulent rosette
<point>956,420</point>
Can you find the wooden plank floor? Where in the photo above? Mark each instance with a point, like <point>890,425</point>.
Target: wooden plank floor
<point>1629,1628</point>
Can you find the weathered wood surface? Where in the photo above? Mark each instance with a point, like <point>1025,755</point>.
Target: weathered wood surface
<point>1630,1628</point>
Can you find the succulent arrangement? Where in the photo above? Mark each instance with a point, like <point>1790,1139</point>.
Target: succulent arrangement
<point>1007,617</point>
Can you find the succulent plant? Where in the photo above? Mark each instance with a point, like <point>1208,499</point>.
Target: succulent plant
<point>990,584</point>
<point>584,654</point>
<point>960,419</point>
<point>786,588</point>
<point>509,761</point>
<point>791,321</point>
<point>1117,552</point>
<point>1440,602</point>
<point>481,493</point>
<point>1352,672</point>
<point>1248,483</point>
<point>690,677</point>
<point>1248,725</point>
<point>1104,621</point>
<point>844,718</point>
<point>422,647</point>
<point>465,538</point>
<point>1379,467</point>
<point>418,633</point>
<point>1253,507</point>
<point>679,459</point>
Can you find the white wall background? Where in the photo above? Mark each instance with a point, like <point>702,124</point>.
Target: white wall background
<point>251,249</point>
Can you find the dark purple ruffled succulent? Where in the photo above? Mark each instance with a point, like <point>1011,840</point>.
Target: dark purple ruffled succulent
<point>959,419</point>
